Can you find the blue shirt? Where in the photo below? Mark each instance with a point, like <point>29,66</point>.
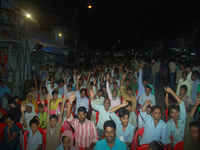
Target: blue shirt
<point>4,90</point>
<point>127,135</point>
<point>81,101</point>
<point>15,143</point>
<point>177,133</point>
<point>152,132</point>
<point>103,114</point>
<point>194,90</point>
<point>141,89</point>
<point>102,145</point>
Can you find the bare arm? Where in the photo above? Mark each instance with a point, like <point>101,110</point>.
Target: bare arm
<point>118,107</point>
<point>194,108</point>
<point>169,90</point>
<point>167,100</point>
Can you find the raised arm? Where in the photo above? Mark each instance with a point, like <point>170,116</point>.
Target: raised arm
<point>108,88</point>
<point>169,90</point>
<point>48,107</point>
<point>167,100</point>
<point>194,108</point>
<point>114,109</point>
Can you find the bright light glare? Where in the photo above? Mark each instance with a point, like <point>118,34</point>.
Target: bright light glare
<point>89,6</point>
<point>60,34</point>
<point>28,15</point>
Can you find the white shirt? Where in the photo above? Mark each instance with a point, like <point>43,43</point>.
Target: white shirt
<point>144,98</point>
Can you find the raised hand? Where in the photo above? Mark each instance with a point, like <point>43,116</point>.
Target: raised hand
<point>91,92</point>
<point>124,76</point>
<point>72,97</point>
<point>48,97</point>
<point>124,104</point>
<point>107,77</point>
<point>168,89</point>
<point>23,108</point>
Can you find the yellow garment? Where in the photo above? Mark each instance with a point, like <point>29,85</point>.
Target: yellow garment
<point>32,101</point>
<point>128,97</point>
<point>54,104</point>
<point>43,120</point>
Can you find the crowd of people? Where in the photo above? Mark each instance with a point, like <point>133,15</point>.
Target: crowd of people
<point>111,107</point>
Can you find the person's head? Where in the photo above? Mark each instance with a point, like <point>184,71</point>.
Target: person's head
<point>55,94</point>
<point>10,120</point>
<point>29,97</point>
<point>83,92</point>
<point>174,111</point>
<point>66,141</point>
<point>114,93</point>
<point>183,90</point>
<point>99,93</point>
<point>61,83</point>
<point>82,114</point>
<point>40,108</point>
<point>195,75</point>
<point>129,106</point>
<point>53,121</point>
<point>124,117</point>
<point>147,90</point>
<point>69,87</point>
<point>109,131</point>
<point>129,91</point>
<point>29,108</point>
<point>107,104</point>
<point>115,86</point>
<point>44,90</point>
<point>156,112</point>
<point>34,124</point>
<point>12,104</point>
<point>195,130</point>
<point>156,146</point>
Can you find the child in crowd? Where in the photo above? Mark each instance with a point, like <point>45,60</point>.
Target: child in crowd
<point>34,137</point>
<point>11,139</point>
<point>53,126</point>
<point>55,103</point>
<point>176,125</point>
<point>153,125</point>
<point>28,112</point>
<point>42,116</point>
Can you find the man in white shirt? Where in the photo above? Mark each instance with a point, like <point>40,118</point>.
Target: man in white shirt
<point>147,96</point>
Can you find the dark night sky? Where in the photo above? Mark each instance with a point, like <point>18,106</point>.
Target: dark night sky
<point>134,22</point>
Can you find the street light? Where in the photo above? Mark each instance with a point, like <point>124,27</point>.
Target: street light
<point>60,35</point>
<point>28,16</point>
<point>89,6</point>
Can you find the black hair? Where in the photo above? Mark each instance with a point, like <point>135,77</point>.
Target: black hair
<point>156,145</point>
<point>55,92</point>
<point>63,138</point>
<point>34,121</point>
<point>11,116</point>
<point>82,109</point>
<point>184,87</point>
<point>40,105</point>
<point>83,89</point>
<point>123,112</point>
<point>129,103</point>
<point>195,124</point>
<point>109,123</point>
<point>54,117</point>
<point>195,74</point>
<point>174,106</point>
<point>156,107</point>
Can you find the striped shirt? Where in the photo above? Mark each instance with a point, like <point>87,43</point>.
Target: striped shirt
<point>85,134</point>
